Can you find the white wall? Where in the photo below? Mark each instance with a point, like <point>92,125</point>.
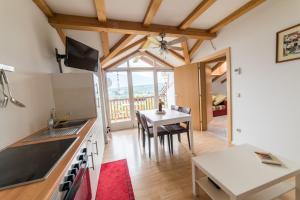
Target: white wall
<point>27,42</point>
<point>268,110</point>
<point>218,87</point>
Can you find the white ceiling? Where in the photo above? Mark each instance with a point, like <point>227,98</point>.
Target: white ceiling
<point>218,11</point>
<point>171,12</point>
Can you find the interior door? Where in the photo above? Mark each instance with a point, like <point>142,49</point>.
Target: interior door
<point>186,90</point>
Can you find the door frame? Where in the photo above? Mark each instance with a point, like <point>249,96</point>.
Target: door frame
<point>132,122</point>
<point>215,56</point>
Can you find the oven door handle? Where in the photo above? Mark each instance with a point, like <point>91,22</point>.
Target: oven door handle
<point>76,185</point>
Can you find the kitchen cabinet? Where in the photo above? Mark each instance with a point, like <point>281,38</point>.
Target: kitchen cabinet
<point>79,95</point>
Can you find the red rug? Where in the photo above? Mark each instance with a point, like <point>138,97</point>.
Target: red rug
<point>114,182</point>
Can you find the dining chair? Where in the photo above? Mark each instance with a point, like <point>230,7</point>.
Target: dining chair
<point>139,124</point>
<point>178,129</point>
<point>161,132</point>
<point>174,107</point>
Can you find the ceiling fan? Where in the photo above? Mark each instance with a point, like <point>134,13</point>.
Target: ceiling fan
<point>161,44</point>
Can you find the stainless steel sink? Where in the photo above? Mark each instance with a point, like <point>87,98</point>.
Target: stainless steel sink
<point>64,128</point>
<point>53,133</point>
<point>72,123</point>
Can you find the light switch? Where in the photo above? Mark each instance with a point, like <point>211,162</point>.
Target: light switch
<point>238,70</point>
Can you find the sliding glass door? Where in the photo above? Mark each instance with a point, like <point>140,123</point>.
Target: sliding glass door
<point>137,84</point>
<point>119,99</point>
<point>143,90</point>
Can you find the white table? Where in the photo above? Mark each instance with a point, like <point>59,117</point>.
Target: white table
<point>170,117</point>
<point>241,175</point>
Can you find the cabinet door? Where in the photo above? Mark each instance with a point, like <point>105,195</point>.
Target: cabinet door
<point>96,149</point>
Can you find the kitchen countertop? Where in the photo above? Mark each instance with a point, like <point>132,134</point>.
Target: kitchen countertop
<point>44,189</point>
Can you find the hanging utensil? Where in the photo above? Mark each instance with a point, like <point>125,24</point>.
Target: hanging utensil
<point>11,98</point>
<point>4,101</point>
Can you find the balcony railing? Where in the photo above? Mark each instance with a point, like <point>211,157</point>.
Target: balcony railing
<point>120,108</point>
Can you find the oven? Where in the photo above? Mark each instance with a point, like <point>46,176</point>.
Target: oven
<point>76,183</point>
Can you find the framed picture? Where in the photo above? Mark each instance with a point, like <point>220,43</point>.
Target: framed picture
<point>288,44</point>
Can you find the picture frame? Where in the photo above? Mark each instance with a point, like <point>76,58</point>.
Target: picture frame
<point>288,44</point>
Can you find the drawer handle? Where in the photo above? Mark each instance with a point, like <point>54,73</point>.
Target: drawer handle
<point>96,143</point>
<point>93,164</point>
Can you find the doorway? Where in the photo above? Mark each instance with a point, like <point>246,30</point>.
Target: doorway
<point>215,94</point>
<point>136,84</point>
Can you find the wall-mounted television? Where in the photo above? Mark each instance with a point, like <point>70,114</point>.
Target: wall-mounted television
<point>81,56</point>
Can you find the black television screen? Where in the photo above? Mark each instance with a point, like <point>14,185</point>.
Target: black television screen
<point>81,56</point>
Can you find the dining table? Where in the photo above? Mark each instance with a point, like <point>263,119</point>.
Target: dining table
<point>169,116</point>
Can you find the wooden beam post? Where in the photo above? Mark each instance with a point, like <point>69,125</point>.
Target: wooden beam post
<point>101,14</point>
<point>186,52</point>
<point>151,11</point>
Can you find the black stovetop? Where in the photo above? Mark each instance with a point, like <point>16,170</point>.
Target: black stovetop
<point>30,163</point>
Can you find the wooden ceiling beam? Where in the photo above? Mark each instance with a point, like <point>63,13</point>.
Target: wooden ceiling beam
<point>224,80</point>
<point>217,77</point>
<point>236,14</point>
<point>43,6</point>
<point>176,55</point>
<point>117,48</point>
<point>61,34</point>
<point>216,66</point>
<point>101,15</point>
<point>126,57</point>
<point>199,10</point>
<point>100,9</point>
<point>195,48</point>
<point>151,11</point>
<point>124,27</point>
<point>105,43</point>
<point>186,52</point>
<point>131,46</point>
<point>151,55</point>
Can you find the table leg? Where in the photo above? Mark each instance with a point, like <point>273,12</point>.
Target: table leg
<point>192,137</point>
<point>155,142</point>
<point>298,187</point>
<point>194,179</point>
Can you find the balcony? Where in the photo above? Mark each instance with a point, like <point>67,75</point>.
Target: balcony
<point>120,108</point>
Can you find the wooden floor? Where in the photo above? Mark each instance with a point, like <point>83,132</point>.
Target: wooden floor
<point>171,179</point>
